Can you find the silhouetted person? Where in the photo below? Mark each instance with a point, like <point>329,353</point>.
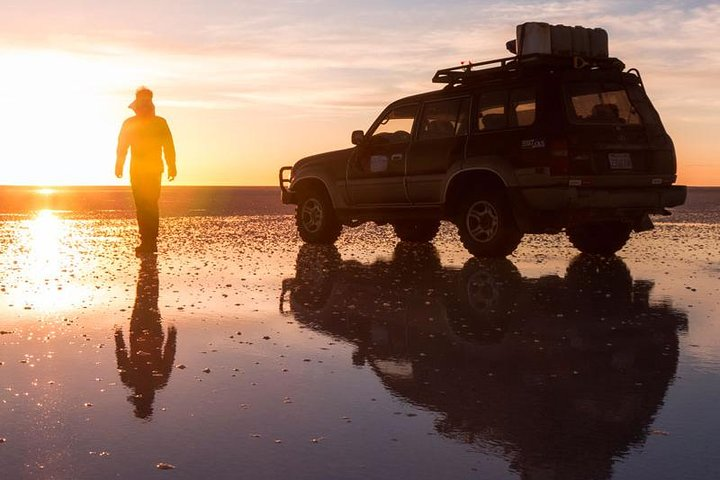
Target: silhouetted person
<point>148,137</point>
<point>145,368</point>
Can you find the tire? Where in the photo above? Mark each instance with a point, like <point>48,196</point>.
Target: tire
<point>602,286</point>
<point>315,270</point>
<point>479,305</point>
<point>315,218</point>
<point>416,230</point>
<point>600,238</point>
<point>489,286</point>
<point>486,225</point>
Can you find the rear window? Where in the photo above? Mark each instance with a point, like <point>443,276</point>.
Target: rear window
<point>600,104</point>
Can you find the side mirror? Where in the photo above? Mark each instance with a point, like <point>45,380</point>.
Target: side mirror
<point>358,136</point>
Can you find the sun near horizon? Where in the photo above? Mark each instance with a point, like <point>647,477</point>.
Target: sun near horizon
<point>63,114</point>
<point>249,90</point>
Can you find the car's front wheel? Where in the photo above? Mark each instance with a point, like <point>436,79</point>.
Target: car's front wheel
<point>601,238</point>
<point>315,217</point>
<point>416,230</point>
<point>486,225</point>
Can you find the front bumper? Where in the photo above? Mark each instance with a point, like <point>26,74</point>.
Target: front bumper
<point>286,195</point>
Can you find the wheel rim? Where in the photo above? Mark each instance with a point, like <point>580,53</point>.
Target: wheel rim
<point>312,215</point>
<point>482,221</point>
<point>483,292</point>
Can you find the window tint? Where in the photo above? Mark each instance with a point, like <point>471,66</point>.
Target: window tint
<point>522,105</point>
<point>491,111</point>
<point>604,104</point>
<point>396,126</point>
<point>444,119</point>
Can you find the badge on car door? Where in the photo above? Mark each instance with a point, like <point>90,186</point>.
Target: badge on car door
<point>378,163</point>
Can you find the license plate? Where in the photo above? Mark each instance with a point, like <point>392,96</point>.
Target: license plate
<point>620,161</point>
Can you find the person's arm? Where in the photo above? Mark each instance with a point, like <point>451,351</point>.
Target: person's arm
<point>168,357</point>
<point>169,151</point>
<point>122,356</point>
<point>122,148</point>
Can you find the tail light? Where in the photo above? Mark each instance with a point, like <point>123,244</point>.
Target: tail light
<point>558,156</point>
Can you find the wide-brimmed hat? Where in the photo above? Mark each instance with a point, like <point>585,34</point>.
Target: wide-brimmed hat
<point>143,96</point>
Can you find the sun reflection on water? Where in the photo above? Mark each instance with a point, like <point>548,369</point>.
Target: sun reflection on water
<point>46,258</point>
<point>46,232</point>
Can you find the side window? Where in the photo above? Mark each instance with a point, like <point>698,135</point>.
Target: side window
<point>491,111</point>
<point>444,119</point>
<point>396,125</point>
<point>522,104</point>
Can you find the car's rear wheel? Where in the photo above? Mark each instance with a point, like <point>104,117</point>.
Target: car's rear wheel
<point>315,217</point>
<point>601,238</point>
<point>416,230</point>
<point>486,225</point>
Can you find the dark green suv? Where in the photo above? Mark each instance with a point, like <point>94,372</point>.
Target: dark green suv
<point>526,144</point>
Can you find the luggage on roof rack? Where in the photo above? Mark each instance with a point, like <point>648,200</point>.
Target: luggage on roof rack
<point>512,65</point>
<point>540,45</point>
<point>560,40</point>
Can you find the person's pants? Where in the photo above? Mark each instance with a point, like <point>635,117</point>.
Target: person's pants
<point>146,192</point>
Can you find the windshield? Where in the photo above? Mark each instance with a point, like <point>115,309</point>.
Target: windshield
<point>600,104</point>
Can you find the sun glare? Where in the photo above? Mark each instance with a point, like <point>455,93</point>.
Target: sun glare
<point>60,115</point>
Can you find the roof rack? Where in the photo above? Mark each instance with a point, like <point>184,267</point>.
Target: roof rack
<point>491,68</point>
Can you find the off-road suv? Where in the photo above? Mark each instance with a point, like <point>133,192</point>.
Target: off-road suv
<point>533,143</point>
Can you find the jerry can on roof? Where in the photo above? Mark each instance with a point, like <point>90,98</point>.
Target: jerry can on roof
<point>543,38</point>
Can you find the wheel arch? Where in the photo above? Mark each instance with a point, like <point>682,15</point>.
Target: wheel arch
<point>312,183</point>
<point>467,179</point>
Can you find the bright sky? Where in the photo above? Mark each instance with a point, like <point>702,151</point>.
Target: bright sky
<point>250,86</point>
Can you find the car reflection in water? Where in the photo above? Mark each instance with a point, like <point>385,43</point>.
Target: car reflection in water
<point>560,375</point>
<point>145,368</point>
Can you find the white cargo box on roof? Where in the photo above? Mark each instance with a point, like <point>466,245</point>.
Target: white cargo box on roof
<point>561,40</point>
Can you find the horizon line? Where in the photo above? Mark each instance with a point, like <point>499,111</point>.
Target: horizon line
<point>32,185</point>
<point>166,185</point>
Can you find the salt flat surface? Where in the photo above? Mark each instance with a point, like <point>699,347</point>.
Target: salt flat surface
<point>242,353</point>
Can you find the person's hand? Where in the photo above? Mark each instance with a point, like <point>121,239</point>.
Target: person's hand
<point>172,173</point>
<point>118,172</point>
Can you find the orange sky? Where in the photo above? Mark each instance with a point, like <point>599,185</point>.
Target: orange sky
<point>248,87</point>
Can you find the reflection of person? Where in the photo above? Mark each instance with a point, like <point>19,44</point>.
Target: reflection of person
<point>148,137</point>
<point>146,367</point>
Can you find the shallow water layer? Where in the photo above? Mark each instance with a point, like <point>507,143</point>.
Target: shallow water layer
<point>239,352</point>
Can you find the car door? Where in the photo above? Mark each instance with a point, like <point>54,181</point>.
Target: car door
<point>440,141</point>
<point>376,172</point>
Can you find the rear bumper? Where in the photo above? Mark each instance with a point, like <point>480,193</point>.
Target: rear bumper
<point>649,200</point>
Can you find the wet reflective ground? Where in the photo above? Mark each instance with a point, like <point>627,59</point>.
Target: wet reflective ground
<point>241,353</point>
